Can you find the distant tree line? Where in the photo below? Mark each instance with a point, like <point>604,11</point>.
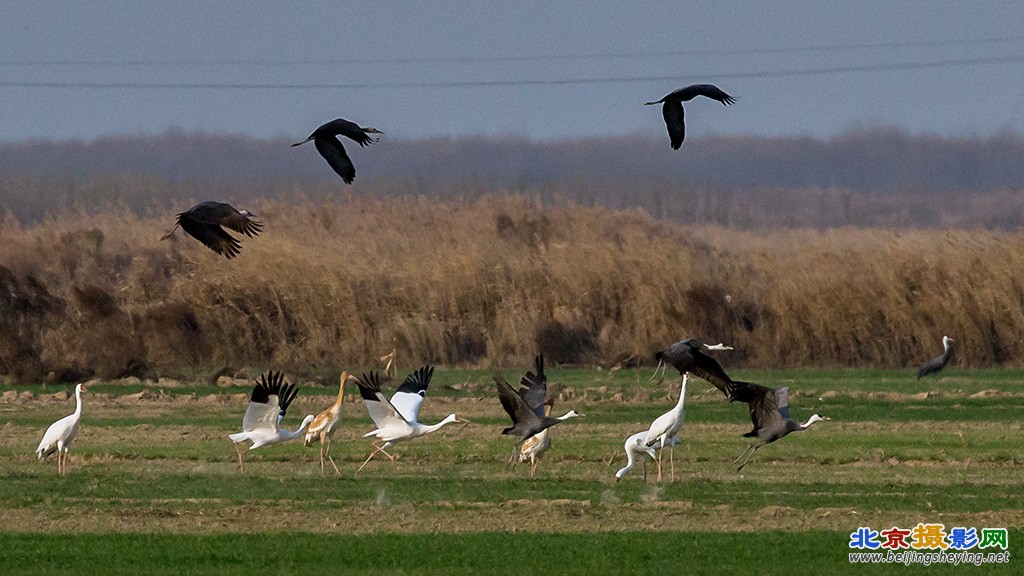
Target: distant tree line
<point>877,176</point>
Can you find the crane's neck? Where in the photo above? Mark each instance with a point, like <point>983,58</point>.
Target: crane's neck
<point>288,435</point>
<point>78,402</point>
<point>814,418</point>
<point>341,390</point>
<point>682,395</point>
<point>447,420</point>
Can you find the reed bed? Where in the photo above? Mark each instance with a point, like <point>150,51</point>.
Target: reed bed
<point>492,281</point>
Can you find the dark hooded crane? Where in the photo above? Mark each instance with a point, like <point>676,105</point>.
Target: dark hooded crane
<point>268,405</point>
<point>325,138</point>
<point>935,365</point>
<point>672,108</point>
<point>526,407</point>
<point>769,412</point>
<point>688,356</point>
<point>206,222</point>
<point>533,389</point>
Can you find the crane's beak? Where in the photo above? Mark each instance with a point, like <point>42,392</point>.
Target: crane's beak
<point>303,142</point>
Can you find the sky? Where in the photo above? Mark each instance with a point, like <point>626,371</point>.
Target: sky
<point>535,68</point>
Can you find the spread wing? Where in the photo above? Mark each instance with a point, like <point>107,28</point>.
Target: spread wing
<point>763,404</point>
<point>268,402</point>
<point>241,223</point>
<point>706,90</point>
<point>333,151</point>
<point>673,113</point>
<point>782,401</point>
<point>533,387</point>
<point>352,131</point>
<point>512,402</point>
<point>409,396</point>
<point>211,235</point>
<point>709,369</point>
<point>381,411</point>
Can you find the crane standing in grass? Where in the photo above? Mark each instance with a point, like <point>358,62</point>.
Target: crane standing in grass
<point>769,412</point>
<point>935,365</point>
<point>267,407</point>
<point>664,431</point>
<point>59,436</point>
<point>325,423</point>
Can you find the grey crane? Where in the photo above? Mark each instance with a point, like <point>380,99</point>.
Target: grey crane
<point>688,356</point>
<point>526,407</point>
<point>935,365</point>
<point>769,412</point>
<point>206,222</point>
<point>533,389</point>
<point>672,110</point>
<point>325,138</point>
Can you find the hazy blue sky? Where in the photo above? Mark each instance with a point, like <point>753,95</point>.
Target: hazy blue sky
<point>417,69</point>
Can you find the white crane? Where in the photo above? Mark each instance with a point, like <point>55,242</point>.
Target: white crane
<point>665,428</point>
<point>59,436</point>
<point>325,423</point>
<point>267,406</point>
<point>636,449</point>
<point>396,419</point>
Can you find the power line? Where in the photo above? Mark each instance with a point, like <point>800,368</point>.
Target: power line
<point>881,67</point>
<point>522,58</point>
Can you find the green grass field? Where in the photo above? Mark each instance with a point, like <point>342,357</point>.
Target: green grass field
<point>153,486</point>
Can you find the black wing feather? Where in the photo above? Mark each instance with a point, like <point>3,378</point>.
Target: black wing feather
<point>211,235</point>
<point>673,113</point>
<point>334,152</point>
<point>417,382</point>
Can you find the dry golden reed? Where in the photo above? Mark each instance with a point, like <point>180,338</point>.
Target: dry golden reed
<point>493,281</point>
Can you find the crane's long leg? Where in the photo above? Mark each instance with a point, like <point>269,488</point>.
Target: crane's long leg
<point>374,453</point>
<point>336,471</point>
<point>60,462</point>
<point>645,471</point>
<point>738,458</point>
<point>672,461</point>
<point>241,463</point>
<point>533,466</point>
<point>321,455</point>
<point>748,456</point>
<point>661,456</point>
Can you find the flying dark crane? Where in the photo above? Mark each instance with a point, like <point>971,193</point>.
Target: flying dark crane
<point>325,138</point>
<point>769,412</point>
<point>672,108</point>
<point>206,222</point>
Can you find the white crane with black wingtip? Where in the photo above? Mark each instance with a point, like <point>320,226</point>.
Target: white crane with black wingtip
<point>396,419</point>
<point>261,424</point>
<point>59,436</point>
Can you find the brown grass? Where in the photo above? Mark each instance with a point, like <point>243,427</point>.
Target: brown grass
<point>493,281</point>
